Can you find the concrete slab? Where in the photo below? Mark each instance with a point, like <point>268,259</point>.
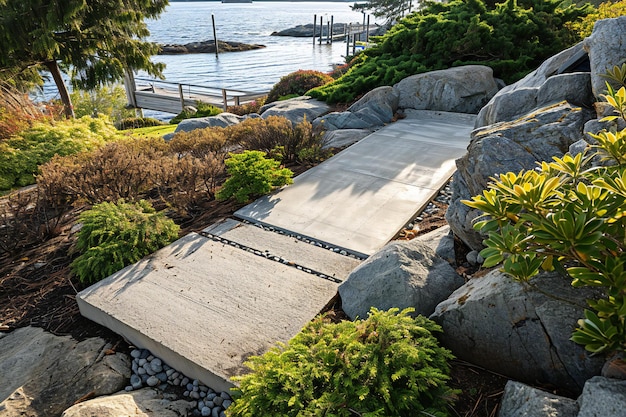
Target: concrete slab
<point>360,198</point>
<point>203,306</point>
<point>289,248</point>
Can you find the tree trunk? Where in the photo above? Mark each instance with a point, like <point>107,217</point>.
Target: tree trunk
<point>54,69</point>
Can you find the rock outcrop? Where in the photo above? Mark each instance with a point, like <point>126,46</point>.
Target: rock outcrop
<point>402,274</point>
<point>206,47</point>
<point>42,374</point>
<point>521,331</point>
<point>520,400</point>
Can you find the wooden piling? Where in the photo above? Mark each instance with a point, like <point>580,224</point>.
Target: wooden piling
<point>182,97</point>
<point>314,28</point>
<point>321,28</point>
<point>215,36</point>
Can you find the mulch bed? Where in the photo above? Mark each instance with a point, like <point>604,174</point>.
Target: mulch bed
<point>37,289</point>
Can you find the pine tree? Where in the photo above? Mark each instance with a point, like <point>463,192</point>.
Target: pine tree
<point>97,39</point>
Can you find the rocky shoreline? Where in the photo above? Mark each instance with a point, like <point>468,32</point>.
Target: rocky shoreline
<point>205,47</point>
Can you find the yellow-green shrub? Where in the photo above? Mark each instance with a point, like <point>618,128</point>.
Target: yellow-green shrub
<point>21,155</point>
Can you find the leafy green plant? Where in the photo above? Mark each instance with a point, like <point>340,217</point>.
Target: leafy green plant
<point>21,155</point>
<point>114,235</point>
<point>386,365</point>
<point>570,216</point>
<point>297,84</point>
<point>202,110</point>
<point>247,108</point>
<point>605,10</point>
<point>252,175</point>
<point>512,38</point>
<point>109,100</point>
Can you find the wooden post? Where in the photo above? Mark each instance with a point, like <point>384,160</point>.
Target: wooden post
<point>225,97</point>
<point>354,44</point>
<point>348,39</point>
<point>215,35</point>
<point>367,29</point>
<point>130,86</point>
<point>328,37</point>
<point>182,97</point>
<point>321,28</point>
<point>314,27</point>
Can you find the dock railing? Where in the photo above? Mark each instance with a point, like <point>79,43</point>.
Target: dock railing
<point>172,97</point>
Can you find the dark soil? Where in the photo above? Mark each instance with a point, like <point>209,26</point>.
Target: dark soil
<point>37,289</point>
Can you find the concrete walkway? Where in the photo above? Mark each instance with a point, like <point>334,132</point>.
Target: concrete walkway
<point>211,299</point>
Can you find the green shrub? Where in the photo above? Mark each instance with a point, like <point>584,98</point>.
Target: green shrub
<point>137,123</point>
<point>297,84</point>
<point>387,365</point>
<point>21,155</point>
<point>115,235</point>
<point>203,110</point>
<point>571,217</point>
<point>109,100</point>
<point>512,37</point>
<point>252,175</point>
<point>606,10</point>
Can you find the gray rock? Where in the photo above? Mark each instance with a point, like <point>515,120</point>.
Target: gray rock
<point>510,147</point>
<point>218,401</point>
<point>605,47</point>
<point>221,120</point>
<point>574,88</point>
<point>522,97</point>
<point>348,120</point>
<point>296,109</point>
<point>521,331</point>
<point>162,376</point>
<point>206,411</point>
<point>603,397</point>
<point>520,400</point>
<point>216,411</point>
<point>226,404</point>
<point>156,365</point>
<point>141,403</point>
<point>402,274</point>
<point>42,374</point>
<point>463,89</point>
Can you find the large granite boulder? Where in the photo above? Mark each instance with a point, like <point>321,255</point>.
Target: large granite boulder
<point>519,330</point>
<point>546,85</point>
<point>374,109</point>
<point>402,274</point>
<point>221,120</point>
<point>510,147</point>
<point>296,109</point>
<point>520,400</point>
<point>463,89</point>
<point>603,397</point>
<point>606,49</point>
<point>42,374</point>
<point>344,137</point>
<point>142,403</point>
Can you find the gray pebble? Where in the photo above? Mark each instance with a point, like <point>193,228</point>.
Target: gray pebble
<point>186,394</point>
<point>162,376</point>
<point>225,395</point>
<point>222,414</point>
<point>144,354</point>
<point>206,411</point>
<point>169,372</point>
<point>141,371</point>
<point>142,362</point>
<point>200,405</point>
<point>472,257</point>
<point>216,412</point>
<point>209,403</point>
<point>226,404</point>
<point>156,365</point>
<point>176,375</point>
<point>195,395</point>
<point>149,369</point>
<point>204,388</point>
<point>185,381</point>
<point>128,388</point>
<point>144,378</point>
<point>189,387</point>
<point>202,394</point>
<point>134,367</point>
<point>211,395</point>
<point>218,400</point>
<point>135,381</point>
<point>153,381</point>
<point>167,368</point>
<point>150,358</point>
<point>135,353</point>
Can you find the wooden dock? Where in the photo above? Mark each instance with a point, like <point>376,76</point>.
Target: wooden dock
<point>171,97</point>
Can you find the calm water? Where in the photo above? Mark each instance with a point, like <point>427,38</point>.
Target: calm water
<point>184,22</point>
<point>258,70</point>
